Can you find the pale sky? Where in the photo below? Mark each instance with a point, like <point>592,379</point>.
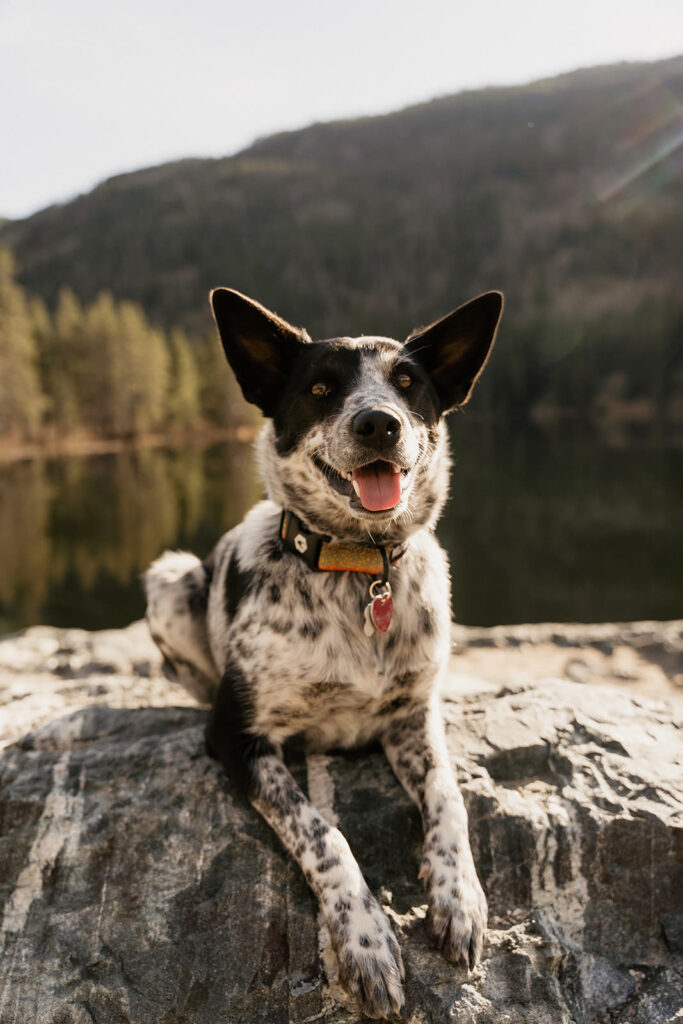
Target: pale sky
<point>89,89</point>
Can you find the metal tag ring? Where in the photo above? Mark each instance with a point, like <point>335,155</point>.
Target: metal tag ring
<point>386,591</point>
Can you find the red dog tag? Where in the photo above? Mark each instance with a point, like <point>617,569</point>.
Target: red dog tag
<point>379,611</point>
<point>382,610</point>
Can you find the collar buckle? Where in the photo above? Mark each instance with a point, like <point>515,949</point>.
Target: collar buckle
<point>300,540</point>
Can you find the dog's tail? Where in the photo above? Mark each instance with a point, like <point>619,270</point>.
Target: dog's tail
<point>177,590</point>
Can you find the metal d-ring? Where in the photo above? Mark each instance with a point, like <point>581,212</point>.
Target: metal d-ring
<point>386,588</point>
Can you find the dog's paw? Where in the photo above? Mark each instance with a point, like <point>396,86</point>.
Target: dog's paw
<point>457,914</point>
<point>370,964</point>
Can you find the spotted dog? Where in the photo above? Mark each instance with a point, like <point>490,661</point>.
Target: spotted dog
<point>324,616</point>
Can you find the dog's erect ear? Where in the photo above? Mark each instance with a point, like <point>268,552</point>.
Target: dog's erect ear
<point>454,350</point>
<point>260,346</point>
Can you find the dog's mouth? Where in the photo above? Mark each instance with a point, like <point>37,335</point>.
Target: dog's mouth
<point>375,487</point>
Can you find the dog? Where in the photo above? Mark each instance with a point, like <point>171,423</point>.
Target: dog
<point>324,616</point>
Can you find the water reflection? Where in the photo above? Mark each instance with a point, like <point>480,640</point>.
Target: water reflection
<point>75,533</point>
<point>565,525</point>
<point>25,549</point>
<point>541,526</point>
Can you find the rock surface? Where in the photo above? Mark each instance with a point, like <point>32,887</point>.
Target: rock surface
<point>136,887</point>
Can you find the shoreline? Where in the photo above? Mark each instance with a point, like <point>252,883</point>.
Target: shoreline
<point>13,450</point>
<point>57,448</point>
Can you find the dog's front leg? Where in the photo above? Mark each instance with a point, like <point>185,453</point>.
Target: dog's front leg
<point>370,966</point>
<point>416,748</point>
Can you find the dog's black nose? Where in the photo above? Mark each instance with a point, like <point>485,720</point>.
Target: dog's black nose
<point>377,428</point>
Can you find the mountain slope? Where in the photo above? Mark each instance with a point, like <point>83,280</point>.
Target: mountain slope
<point>566,193</point>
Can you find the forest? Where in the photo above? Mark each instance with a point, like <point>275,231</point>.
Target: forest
<point>102,370</point>
<point>567,194</point>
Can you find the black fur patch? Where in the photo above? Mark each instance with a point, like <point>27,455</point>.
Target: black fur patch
<point>197,595</point>
<point>227,734</point>
<point>238,583</point>
<point>311,630</point>
<point>304,595</point>
<point>420,397</point>
<point>275,551</point>
<point>324,362</point>
<point>395,705</point>
<point>426,621</point>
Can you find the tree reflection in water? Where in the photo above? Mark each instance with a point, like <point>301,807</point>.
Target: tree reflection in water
<point>76,533</point>
<point>561,525</point>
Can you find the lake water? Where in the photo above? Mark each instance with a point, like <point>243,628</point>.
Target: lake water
<point>561,525</point>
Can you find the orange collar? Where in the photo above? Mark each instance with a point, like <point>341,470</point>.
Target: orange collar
<point>324,555</point>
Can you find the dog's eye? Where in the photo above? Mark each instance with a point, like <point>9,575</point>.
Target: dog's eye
<point>404,380</point>
<point>320,389</point>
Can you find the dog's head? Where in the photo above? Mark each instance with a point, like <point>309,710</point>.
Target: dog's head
<point>355,445</point>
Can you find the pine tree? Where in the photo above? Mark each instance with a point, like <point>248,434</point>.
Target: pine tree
<point>157,368</point>
<point>64,360</point>
<point>139,367</point>
<point>184,398</point>
<point>100,384</point>
<point>22,402</point>
<point>221,399</point>
<point>42,329</point>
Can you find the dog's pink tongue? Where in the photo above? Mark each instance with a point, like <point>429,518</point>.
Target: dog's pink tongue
<point>379,486</point>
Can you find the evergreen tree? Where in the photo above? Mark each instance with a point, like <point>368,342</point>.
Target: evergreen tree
<point>222,402</point>
<point>156,371</point>
<point>100,392</point>
<point>42,329</point>
<point>128,362</point>
<point>105,370</point>
<point>184,397</point>
<point>65,360</point>
<point>21,398</point>
<point>213,375</point>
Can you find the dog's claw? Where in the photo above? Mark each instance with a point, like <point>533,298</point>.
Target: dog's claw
<point>473,955</point>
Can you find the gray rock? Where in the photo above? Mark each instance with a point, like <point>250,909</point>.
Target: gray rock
<point>136,887</point>
<point>643,657</point>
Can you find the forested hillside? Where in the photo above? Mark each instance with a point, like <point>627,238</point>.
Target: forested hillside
<point>566,193</point>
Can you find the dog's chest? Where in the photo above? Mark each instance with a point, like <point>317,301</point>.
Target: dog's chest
<point>298,642</point>
<point>330,682</point>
